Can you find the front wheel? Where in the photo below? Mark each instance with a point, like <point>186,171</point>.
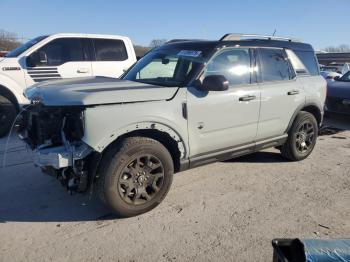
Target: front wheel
<point>301,137</point>
<point>135,176</point>
<point>7,115</point>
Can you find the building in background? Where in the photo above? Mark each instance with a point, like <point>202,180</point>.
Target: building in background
<point>335,62</point>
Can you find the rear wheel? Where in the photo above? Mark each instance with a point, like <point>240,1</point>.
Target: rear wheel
<point>301,137</point>
<point>135,176</point>
<point>7,115</point>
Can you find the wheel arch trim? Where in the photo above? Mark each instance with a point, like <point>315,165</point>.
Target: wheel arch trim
<point>314,107</point>
<point>183,148</point>
<point>11,87</point>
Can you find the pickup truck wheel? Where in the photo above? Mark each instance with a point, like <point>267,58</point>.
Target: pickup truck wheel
<point>135,176</point>
<point>301,137</point>
<point>7,115</point>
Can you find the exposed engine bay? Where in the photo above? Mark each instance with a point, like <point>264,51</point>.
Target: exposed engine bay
<point>54,134</point>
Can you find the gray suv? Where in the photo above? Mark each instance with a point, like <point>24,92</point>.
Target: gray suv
<point>185,104</point>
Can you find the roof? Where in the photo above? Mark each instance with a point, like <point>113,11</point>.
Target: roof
<point>88,35</point>
<point>205,44</point>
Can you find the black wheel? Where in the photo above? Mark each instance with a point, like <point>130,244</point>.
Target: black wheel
<point>7,115</point>
<point>301,137</point>
<point>135,176</point>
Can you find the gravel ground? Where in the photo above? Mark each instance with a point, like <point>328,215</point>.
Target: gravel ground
<point>226,211</point>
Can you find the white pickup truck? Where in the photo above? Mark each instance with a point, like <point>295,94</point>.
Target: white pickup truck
<point>58,56</point>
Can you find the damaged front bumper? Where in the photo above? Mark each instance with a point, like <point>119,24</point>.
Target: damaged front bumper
<point>61,156</point>
<point>73,165</point>
<point>55,136</point>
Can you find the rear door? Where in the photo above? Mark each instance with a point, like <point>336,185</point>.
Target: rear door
<point>60,58</point>
<point>281,92</point>
<point>112,58</point>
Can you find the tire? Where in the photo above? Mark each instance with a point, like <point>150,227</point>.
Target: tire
<point>300,142</point>
<point>8,114</point>
<point>127,184</point>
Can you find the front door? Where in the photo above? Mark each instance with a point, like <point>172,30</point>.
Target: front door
<point>60,58</point>
<point>221,120</point>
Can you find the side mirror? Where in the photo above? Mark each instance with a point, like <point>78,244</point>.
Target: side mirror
<point>37,58</point>
<point>336,78</point>
<point>215,83</point>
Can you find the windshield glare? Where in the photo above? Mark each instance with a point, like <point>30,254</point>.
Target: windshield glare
<point>19,50</point>
<point>167,67</point>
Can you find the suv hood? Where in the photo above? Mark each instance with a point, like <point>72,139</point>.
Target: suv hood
<point>96,91</point>
<point>338,89</point>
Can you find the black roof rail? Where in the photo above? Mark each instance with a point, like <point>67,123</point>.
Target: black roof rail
<point>181,40</point>
<point>238,37</point>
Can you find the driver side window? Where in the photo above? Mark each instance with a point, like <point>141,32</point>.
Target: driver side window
<point>58,52</point>
<point>234,64</point>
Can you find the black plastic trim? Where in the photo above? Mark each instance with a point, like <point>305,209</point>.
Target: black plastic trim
<point>297,111</point>
<point>233,152</point>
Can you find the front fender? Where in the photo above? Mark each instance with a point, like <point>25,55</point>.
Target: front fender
<point>104,124</point>
<point>108,139</point>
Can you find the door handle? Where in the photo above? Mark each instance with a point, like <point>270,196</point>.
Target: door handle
<point>293,92</point>
<point>247,98</point>
<point>83,70</point>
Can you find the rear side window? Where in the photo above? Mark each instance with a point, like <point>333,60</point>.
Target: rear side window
<point>274,65</point>
<point>234,64</point>
<point>63,50</point>
<point>110,50</point>
<point>309,60</point>
<point>297,64</point>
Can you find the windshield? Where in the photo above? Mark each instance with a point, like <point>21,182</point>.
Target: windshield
<point>167,67</point>
<point>19,50</point>
<point>345,78</point>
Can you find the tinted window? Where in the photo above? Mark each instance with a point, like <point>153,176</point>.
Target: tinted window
<point>110,50</point>
<point>297,64</point>
<point>63,50</point>
<point>274,65</point>
<point>309,60</point>
<point>234,64</point>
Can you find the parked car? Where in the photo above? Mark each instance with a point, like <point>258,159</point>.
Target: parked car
<point>58,56</point>
<point>338,95</point>
<point>3,53</point>
<point>183,105</point>
<point>329,75</point>
<point>337,68</point>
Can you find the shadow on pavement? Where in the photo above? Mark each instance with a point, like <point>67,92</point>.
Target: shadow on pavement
<point>259,157</point>
<point>333,124</point>
<point>26,195</point>
<point>337,121</point>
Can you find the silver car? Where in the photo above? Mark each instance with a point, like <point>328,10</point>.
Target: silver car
<point>185,104</point>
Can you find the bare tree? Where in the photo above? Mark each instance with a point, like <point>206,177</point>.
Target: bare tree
<point>338,49</point>
<point>157,42</point>
<point>8,41</point>
<point>141,50</point>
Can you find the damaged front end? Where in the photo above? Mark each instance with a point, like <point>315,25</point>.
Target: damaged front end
<point>54,134</point>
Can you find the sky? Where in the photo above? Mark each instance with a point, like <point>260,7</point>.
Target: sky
<point>322,23</point>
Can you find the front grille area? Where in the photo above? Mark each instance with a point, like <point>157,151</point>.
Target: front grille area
<point>335,104</point>
<point>43,125</point>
